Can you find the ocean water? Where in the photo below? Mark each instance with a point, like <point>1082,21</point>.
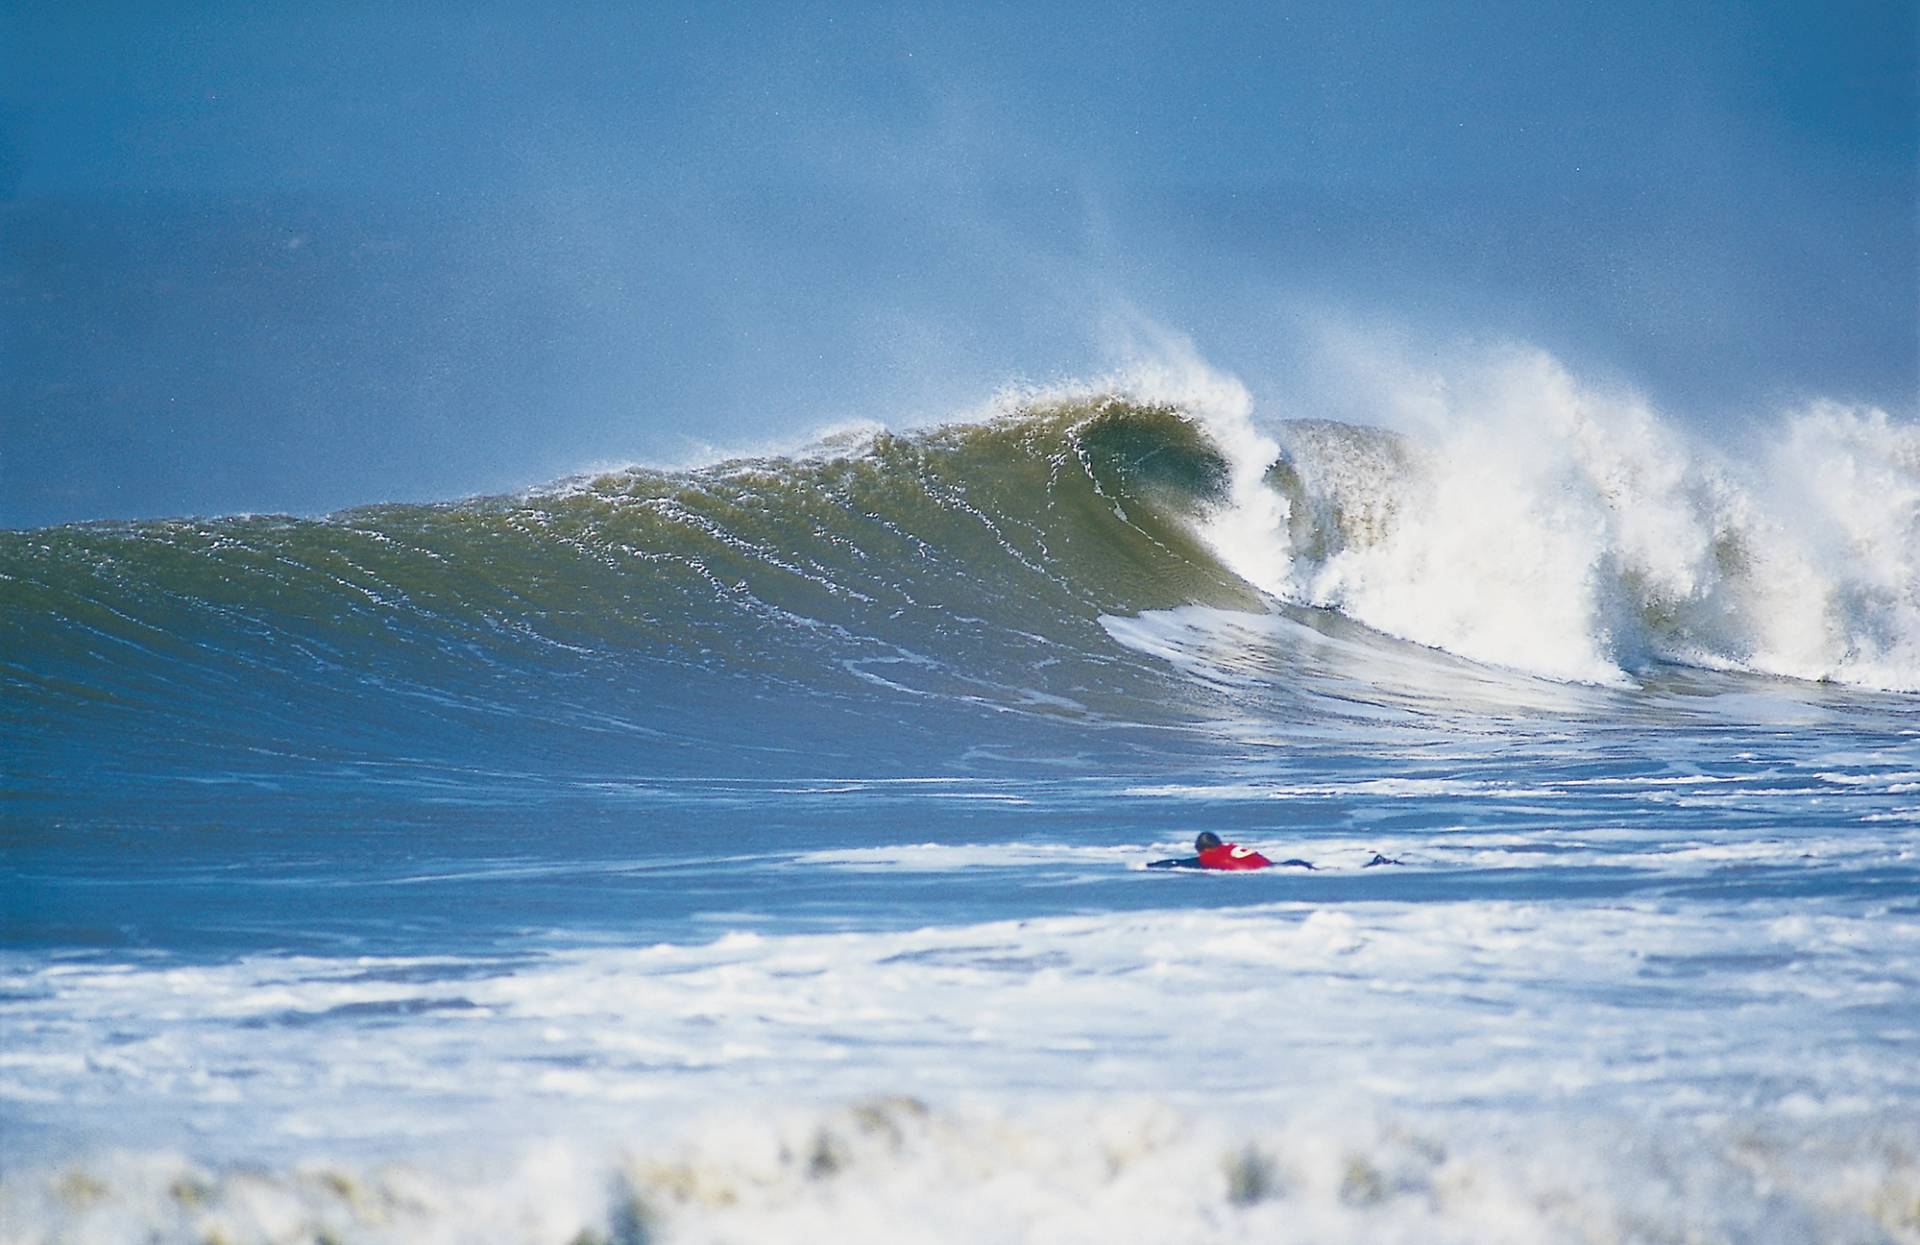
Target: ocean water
<point>757,852</point>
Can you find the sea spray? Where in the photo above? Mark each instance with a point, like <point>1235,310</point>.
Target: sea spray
<point>1849,477</point>
<point>1530,521</point>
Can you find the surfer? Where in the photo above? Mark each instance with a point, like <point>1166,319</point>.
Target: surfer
<point>1211,853</point>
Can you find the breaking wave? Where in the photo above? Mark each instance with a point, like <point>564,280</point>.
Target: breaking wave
<point>1529,523</point>
<point>1572,534</point>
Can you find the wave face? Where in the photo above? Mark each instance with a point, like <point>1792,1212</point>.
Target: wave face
<point>948,565</point>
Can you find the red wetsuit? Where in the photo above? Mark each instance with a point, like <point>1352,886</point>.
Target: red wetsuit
<point>1232,856</point>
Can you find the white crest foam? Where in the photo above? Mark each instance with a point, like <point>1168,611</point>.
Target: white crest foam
<point>1534,522</point>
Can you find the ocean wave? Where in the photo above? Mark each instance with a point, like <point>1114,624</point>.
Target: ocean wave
<point>965,565</point>
<point>1533,525</point>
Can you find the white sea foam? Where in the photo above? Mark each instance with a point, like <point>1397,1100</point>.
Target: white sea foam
<point>1591,1008</point>
<point>1535,522</point>
<point>894,1170</point>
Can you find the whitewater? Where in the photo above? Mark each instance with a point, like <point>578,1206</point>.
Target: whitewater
<point>757,851</point>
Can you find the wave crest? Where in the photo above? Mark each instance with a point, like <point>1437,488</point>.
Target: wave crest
<point>1537,524</point>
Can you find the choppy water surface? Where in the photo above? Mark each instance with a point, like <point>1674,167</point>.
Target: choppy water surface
<point>758,852</point>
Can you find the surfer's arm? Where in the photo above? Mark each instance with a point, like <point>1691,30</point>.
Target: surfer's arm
<point>1185,862</point>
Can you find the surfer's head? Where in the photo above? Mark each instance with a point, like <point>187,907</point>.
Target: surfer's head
<point>1207,841</point>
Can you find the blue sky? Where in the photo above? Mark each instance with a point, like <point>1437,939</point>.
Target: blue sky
<point>296,257</point>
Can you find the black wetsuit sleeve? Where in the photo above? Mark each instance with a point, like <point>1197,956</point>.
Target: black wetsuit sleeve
<point>1185,862</point>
